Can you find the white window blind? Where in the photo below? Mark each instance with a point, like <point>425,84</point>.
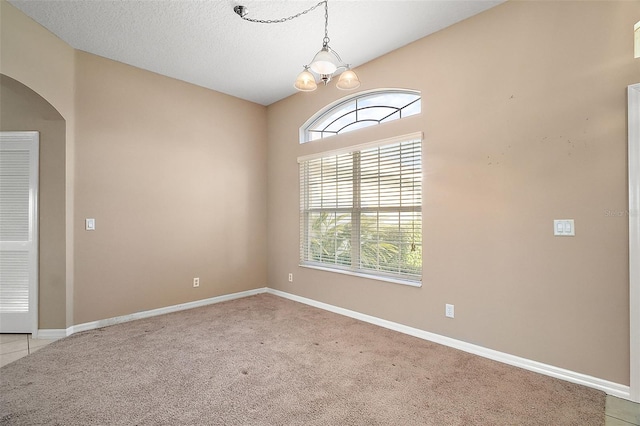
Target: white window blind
<point>361,211</point>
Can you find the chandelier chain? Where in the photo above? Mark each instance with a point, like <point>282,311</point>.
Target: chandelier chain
<point>289,18</point>
<point>325,41</point>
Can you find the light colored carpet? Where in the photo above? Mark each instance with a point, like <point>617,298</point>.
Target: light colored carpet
<point>264,360</point>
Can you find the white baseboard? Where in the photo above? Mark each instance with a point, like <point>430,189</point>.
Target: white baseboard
<point>60,333</point>
<point>51,333</point>
<point>614,389</point>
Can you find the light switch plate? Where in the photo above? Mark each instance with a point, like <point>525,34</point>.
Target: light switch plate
<point>564,228</point>
<point>90,224</point>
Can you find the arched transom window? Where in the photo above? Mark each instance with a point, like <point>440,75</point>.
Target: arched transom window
<point>361,110</point>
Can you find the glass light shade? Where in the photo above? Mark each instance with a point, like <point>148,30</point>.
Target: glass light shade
<point>325,62</point>
<point>348,81</point>
<point>306,82</point>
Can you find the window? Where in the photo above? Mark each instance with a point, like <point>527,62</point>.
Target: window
<point>362,110</point>
<point>361,210</point>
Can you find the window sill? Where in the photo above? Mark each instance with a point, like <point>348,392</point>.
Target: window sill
<point>361,275</point>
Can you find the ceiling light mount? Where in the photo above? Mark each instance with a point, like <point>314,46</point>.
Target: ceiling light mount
<point>241,11</point>
<point>325,65</point>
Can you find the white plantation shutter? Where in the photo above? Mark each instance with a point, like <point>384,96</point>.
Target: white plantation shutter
<point>18,230</point>
<point>14,193</point>
<point>361,210</point>
<point>14,285</point>
<point>14,227</point>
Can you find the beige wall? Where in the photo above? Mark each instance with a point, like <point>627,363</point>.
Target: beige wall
<point>37,58</point>
<point>524,117</point>
<point>175,176</point>
<point>21,109</point>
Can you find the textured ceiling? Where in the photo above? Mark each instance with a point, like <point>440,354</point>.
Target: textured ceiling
<point>206,43</point>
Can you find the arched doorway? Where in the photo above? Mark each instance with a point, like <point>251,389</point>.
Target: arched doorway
<point>22,109</point>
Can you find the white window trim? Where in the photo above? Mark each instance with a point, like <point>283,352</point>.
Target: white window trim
<point>362,146</point>
<point>376,275</point>
<point>362,275</point>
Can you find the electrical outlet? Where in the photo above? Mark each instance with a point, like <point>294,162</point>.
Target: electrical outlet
<point>290,278</point>
<point>448,311</point>
<point>196,282</point>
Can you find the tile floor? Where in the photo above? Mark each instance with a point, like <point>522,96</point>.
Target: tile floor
<point>15,346</point>
<point>619,412</point>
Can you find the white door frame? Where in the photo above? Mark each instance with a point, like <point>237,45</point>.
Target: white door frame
<point>33,139</point>
<point>634,240</point>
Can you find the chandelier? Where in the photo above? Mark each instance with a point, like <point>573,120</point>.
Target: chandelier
<point>325,65</point>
